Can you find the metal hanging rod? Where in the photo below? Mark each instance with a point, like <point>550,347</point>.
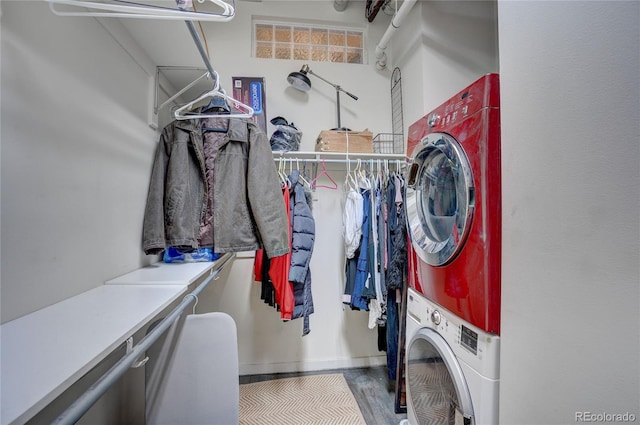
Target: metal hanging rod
<point>337,161</point>
<point>131,9</point>
<point>74,412</point>
<point>397,158</point>
<point>200,46</point>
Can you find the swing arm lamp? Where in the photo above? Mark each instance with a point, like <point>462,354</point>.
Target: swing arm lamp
<point>300,81</point>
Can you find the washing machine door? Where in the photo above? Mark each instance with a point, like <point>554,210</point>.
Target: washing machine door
<point>437,392</point>
<point>440,198</point>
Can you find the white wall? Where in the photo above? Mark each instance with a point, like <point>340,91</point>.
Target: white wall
<point>76,157</point>
<point>442,47</point>
<point>571,196</point>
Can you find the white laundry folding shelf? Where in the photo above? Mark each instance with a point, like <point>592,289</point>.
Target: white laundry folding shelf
<point>164,274</point>
<point>47,351</point>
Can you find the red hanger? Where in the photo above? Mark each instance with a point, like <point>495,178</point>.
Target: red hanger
<point>324,173</point>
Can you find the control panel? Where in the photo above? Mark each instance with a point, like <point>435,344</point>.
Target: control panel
<point>479,349</point>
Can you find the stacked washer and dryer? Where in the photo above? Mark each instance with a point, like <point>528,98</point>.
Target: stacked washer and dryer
<point>453,205</point>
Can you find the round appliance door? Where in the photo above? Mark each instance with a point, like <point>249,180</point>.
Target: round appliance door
<point>440,198</point>
<point>437,392</point>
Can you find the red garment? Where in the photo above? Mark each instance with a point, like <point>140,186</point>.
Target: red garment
<point>279,272</point>
<point>257,266</point>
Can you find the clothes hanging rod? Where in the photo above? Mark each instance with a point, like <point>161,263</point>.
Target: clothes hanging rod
<point>201,49</point>
<point>339,161</point>
<point>79,407</point>
<point>131,9</point>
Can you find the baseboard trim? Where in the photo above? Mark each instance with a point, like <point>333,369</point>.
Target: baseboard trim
<point>260,369</point>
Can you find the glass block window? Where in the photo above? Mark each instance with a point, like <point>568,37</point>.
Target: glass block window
<point>275,40</point>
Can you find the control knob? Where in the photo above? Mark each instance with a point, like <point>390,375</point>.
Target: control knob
<point>436,318</point>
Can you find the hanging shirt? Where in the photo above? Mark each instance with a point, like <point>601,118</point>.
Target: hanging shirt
<point>352,222</point>
<point>373,284</point>
<point>279,273</point>
<point>392,220</point>
<point>358,300</point>
<point>398,258</point>
<point>381,290</point>
<point>375,271</point>
<point>257,266</point>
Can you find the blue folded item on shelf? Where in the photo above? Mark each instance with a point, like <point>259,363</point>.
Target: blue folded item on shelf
<point>177,255</point>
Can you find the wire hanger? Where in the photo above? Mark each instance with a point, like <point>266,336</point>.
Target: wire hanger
<point>130,9</point>
<point>324,172</point>
<point>185,112</point>
<point>301,177</point>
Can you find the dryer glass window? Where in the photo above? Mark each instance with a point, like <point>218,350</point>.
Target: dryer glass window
<point>433,392</point>
<point>440,199</point>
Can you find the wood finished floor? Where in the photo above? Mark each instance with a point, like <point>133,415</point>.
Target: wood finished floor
<point>371,387</point>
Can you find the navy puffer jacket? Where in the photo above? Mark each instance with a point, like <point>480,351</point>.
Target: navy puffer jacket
<point>303,231</point>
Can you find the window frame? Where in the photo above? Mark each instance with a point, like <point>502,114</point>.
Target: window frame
<point>324,42</point>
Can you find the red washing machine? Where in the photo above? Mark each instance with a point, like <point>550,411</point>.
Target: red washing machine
<point>454,204</point>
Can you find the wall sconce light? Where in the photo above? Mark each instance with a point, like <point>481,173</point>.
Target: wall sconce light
<point>300,81</point>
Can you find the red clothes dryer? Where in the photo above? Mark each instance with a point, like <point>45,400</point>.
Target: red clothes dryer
<point>454,204</point>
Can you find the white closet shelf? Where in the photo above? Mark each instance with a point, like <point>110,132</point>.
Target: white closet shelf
<point>164,274</point>
<point>45,352</point>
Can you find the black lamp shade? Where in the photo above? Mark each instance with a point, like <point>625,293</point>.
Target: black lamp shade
<point>299,81</point>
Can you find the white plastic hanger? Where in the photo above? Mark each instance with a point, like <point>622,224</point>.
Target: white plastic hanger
<point>304,181</point>
<point>129,9</point>
<point>359,176</point>
<point>349,182</point>
<point>363,180</point>
<point>185,112</point>
<point>284,180</point>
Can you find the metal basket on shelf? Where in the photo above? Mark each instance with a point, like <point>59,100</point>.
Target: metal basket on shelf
<point>388,143</point>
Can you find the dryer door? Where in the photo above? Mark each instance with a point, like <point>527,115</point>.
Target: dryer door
<point>437,391</point>
<point>440,198</point>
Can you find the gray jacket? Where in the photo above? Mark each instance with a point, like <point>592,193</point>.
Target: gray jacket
<point>248,207</point>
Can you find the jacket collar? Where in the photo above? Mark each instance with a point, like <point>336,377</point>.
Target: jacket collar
<point>237,131</point>
<point>187,125</point>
